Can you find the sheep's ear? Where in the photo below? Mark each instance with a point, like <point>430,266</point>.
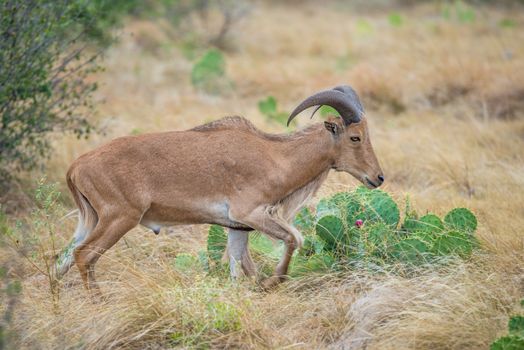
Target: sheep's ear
<point>332,127</point>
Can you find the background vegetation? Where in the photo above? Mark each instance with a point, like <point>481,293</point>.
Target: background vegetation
<point>442,85</point>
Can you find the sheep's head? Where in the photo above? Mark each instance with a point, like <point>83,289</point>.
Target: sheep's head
<point>354,152</point>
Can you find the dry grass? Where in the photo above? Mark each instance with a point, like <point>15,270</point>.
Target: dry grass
<point>445,108</point>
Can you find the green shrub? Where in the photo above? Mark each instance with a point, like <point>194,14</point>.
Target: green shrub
<point>209,72</point>
<point>268,108</point>
<point>43,67</point>
<point>395,19</point>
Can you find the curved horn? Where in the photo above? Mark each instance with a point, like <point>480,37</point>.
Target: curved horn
<point>343,98</point>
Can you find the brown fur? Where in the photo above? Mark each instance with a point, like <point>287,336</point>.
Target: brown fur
<point>226,172</point>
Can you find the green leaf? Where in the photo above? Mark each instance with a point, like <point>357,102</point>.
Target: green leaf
<point>461,219</point>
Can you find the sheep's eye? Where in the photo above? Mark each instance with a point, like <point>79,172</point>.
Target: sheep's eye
<point>355,138</point>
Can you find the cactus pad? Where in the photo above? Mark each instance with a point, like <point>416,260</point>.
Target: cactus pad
<point>327,207</point>
<point>304,219</point>
<point>428,223</point>
<point>331,230</point>
<point>453,243</point>
<point>410,250</point>
<point>461,219</point>
<point>312,245</point>
<point>373,205</point>
<point>380,238</point>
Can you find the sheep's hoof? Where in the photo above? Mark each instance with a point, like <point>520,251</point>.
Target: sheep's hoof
<point>272,282</point>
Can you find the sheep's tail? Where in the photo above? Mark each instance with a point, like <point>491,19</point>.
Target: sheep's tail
<point>87,220</point>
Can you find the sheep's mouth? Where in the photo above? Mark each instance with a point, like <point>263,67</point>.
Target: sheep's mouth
<point>371,183</point>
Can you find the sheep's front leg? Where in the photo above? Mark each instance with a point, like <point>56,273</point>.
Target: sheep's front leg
<point>267,220</point>
<point>238,254</point>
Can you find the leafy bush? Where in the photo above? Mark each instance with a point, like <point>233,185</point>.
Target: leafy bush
<point>268,107</point>
<point>209,72</point>
<point>43,66</point>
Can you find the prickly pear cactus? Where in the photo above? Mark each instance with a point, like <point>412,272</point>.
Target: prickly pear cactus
<point>431,223</point>
<point>312,245</point>
<point>427,223</point>
<point>331,229</point>
<point>304,220</point>
<point>372,205</point>
<point>326,206</point>
<point>454,243</point>
<point>379,239</point>
<point>461,219</point>
<point>216,243</point>
<point>410,250</point>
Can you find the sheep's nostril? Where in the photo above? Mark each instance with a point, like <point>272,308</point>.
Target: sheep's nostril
<point>381,178</point>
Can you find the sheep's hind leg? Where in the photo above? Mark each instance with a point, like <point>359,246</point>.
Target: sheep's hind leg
<point>106,233</point>
<point>266,220</point>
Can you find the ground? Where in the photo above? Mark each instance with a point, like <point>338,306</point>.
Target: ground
<point>444,100</point>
